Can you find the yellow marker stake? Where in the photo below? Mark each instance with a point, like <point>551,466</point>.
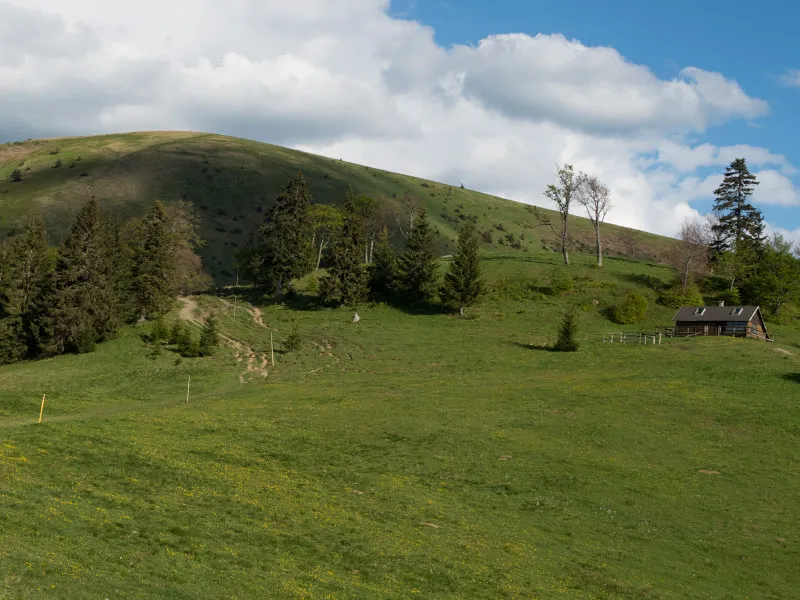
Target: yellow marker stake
<point>41,410</point>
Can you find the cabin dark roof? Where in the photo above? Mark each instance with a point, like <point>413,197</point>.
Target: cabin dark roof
<point>716,313</point>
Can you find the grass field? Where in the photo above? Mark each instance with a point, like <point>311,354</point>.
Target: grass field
<point>410,455</point>
<point>228,179</point>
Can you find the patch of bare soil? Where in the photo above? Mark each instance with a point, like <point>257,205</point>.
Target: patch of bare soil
<point>704,472</point>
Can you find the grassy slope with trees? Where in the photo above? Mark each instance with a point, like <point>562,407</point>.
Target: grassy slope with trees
<point>414,453</point>
<point>410,455</point>
<point>227,179</point>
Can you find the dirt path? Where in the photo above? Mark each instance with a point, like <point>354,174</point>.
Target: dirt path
<point>189,309</point>
<point>189,313</point>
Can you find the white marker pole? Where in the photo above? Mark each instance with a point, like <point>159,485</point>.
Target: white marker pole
<point>188,385</point>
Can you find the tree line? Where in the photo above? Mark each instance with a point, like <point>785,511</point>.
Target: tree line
<point>361,262</point>
<point>103,274</point>
<point>730,247</point>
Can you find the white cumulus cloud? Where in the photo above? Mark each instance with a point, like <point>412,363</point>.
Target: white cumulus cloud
<point>347,79</point>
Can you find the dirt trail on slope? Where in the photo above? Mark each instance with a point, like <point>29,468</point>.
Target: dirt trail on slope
<point>188,313</point>
<point>189,309</point>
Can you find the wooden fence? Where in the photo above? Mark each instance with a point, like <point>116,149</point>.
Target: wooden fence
<point>621,337</point>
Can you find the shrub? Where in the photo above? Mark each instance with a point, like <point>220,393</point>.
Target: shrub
<point>567,332</point>
<point>55,151</point>
<point>675,297</point>
<point>16,176</point>
<point>159,332</point>
<point>58,164</point>
<point>516,289</point>
<point>633,309</point>
<point>294,340</point>
<point>488,236</point>
<point>560,281</point>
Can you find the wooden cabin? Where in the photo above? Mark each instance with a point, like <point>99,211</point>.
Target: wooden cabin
<point>735,321</point>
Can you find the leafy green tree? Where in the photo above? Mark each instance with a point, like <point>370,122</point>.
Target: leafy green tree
<point>82,303</point>
<point>738,229</point>
<point>326,221</point>
<point>26,264</point>
<point>209,336</point>
<point>287,251</point>
<point>153,264</point>
<point>417,268</point>
<point>677,296</point>
<point>632,309</point>
<point>776,280</point>
<point>346,282</point>
<point>463,284</point>
<point>383,270</point>
<point>567,331</point>
<point>562,195</point>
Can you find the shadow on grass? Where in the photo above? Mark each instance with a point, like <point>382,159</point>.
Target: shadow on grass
<point>648,281</point>
<point>795,377</point>
<point>536,347</point>
<point>304,302</point>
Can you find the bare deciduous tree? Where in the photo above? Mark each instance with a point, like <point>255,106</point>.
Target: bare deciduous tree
<point>562,194</point>
<point>690,255</point>
<point>596,199</point>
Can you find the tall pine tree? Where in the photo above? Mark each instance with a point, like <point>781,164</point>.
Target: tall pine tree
<point>738,229</point>
<point>81,307</point>
<point>418,269</point>
<point>383,270</point>
<point>153,264</point>
<point>287,252</point>
<point>25,265</point>
<point>463,284</point>
<point>346,282</point>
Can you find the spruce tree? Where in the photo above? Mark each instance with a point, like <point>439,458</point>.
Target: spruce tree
<point>81,306</point>
<point>209,338</point>
<point>417,268</point>
<point>383,270</point>
<point>739,227</point>
<point>346,282</point>
<point>287,250</point>
<point>463,284</point>
<point>176,332</point>
<point>26,263</point>
<point>567,331</point>
<point>153,264</point>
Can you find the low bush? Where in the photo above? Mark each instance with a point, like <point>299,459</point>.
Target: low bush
<point>560,282</point>
<point>633,309</point>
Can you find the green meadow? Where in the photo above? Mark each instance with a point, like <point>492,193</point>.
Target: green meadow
<point>411,455</point>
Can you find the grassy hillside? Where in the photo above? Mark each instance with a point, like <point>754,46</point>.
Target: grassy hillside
<point>409,456</point>
<point>229,178</point>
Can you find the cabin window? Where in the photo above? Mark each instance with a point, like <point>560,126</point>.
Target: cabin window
<point>700,311</point>
<point>737,311</point>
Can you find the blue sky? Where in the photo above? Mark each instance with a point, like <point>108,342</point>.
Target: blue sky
<point>755,45</point>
